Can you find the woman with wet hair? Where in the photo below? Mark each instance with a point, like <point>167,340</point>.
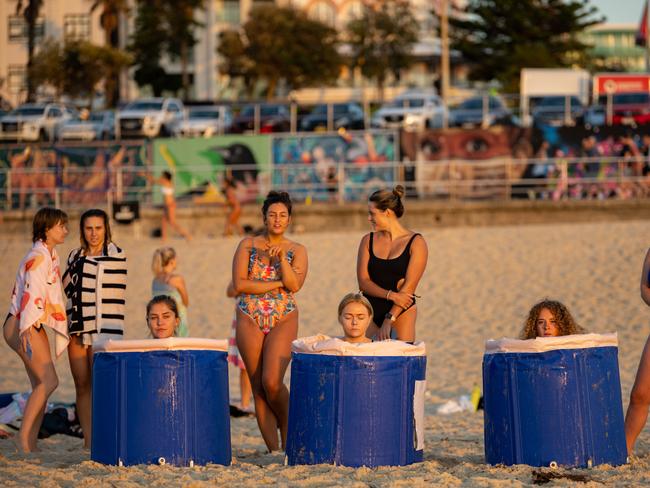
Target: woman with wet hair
<point>390,264</point>
<point>95,286</point>
<point>37,300</point>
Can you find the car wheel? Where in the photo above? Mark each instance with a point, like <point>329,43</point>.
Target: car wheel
<point>43,136</point>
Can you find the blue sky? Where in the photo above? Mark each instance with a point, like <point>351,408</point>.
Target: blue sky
<point>620,11</point>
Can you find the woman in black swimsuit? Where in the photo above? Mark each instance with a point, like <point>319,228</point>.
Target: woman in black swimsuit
<point>390,263</point>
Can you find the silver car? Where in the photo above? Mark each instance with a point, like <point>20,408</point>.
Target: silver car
<point>205,121</point>
<point>97,126</point>
<point>413,110</point>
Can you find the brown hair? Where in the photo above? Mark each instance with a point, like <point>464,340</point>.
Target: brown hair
<point>565,322</point>
<point>94,212</point>
<point>389,199</point>
<point>355,298</point>
<point>167,300</point>
<point>276,197</point>
<point>44,220</point>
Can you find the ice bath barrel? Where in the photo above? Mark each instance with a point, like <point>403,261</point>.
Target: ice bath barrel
<point>161,401</point>
<point>356,404</point>
<point>553,401</point>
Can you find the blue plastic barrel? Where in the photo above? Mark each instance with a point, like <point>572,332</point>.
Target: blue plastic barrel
<point>161,402</point>
<point>554,401</point>
<point>354,409</point>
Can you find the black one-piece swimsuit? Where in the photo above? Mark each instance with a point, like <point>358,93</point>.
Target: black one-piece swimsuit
<point>387,273</point>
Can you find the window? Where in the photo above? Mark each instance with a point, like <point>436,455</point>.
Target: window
<point>18,28</point>
<point>17,78</point>
<point>230,12</point>
<point>76,27</point>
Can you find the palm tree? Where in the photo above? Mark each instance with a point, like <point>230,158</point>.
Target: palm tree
<point>110,20</point>
<point>30,11</point>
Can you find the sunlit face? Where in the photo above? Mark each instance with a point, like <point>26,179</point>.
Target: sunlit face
<point>378,218</point>
<point>355,320</point>
<point>546,324</point>
<point>94,231</point>
<point>277,218</point>
<point>56,235</point>
<point>162,321</point>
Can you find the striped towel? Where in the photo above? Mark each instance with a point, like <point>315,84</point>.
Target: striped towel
<point>96,291</point>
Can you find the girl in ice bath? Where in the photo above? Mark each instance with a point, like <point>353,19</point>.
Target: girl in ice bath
<point>162,317</point>
<point>549,318</point>
<point>355,315</point>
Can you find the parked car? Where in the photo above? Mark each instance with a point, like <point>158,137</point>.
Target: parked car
<point>95,126</point>
<point>412,110</point>
<point>557,110</point>
<point>272,118</point>
<point>205,121</point>
<point>475,112</point>
<point>34,122</point>
<point>343,115</point>
<point>628,108</point>
<point>149,117</point>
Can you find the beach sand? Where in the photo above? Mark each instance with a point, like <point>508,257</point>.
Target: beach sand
<point>479,284</point>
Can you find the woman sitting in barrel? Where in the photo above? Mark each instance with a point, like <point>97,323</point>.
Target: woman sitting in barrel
<point>549,318</point>
<point>390,263</point>
<point>355,315</point>
<point>162,317</point>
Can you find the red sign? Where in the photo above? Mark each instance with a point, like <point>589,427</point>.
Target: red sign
<point>621,83</point>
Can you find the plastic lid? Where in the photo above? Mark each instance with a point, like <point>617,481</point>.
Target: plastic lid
<point>333,346</point>
<point>169,344</point>
<point>543,344</point>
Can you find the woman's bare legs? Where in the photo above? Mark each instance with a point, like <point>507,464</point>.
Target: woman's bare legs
<point>250,342</point>
<point>276,359</point>
<point>170,216</point>
<point>267,358</point>
<point>637,410</point>
<point>42,377</point>
<point>245,389</point>
<point>81,366</point>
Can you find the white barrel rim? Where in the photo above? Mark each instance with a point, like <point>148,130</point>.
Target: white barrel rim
<point>169,344</point>
<point>333,346</point>
<point>544,344</point>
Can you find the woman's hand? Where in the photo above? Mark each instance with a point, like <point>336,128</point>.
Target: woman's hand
<point>401,299</point>
<point>384,331</point>
<point>275,251</point>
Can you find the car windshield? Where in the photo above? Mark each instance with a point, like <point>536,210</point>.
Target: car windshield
<point>558,102</point>
<point>626,98</point>
<point>339,108</point>
<point>144,106</point>
<point>265,110</point>
<point>406,102</point>
<point>96,117</point>
<point>204,114</point>
<point>28,111</point>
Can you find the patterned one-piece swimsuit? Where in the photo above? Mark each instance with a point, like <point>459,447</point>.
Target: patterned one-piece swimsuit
<point>266,309</point>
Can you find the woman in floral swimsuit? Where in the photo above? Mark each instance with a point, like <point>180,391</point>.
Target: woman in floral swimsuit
<point>267,270</point>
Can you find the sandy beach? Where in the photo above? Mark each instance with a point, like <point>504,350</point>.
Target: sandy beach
<point>479,284</point>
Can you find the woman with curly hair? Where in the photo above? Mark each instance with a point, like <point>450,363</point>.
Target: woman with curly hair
<point>549,318</point>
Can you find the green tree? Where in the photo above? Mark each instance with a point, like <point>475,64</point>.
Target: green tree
<point>499,37</point>
<point>381,40</point>
<point>164,27</point>
<point>281,43</point>
<point>77,67</point>
<point>109,20</point>
<point>30,11</point>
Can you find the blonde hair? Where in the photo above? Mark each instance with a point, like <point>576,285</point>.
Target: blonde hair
<point>161,258</point>
<point>355,298</point>
<point>563,318</point>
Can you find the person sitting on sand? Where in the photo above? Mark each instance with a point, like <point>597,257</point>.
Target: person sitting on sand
<point>162,317</point>
<point>355,315</point>
<point>549,318</point>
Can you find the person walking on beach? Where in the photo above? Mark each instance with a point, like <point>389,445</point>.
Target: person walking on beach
<point>390,263</point>
<point>232,220</point>
<point>637,410</point>
<point>169,206</point>
<point>267,270</point>
<point>94,279</point>
<point>167,282</point>
<point>37,300</point>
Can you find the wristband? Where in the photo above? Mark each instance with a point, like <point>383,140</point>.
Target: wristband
<point>390,317</point>
<point>387,294</point>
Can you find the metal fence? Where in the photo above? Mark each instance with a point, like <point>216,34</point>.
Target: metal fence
<point>498,179</point>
